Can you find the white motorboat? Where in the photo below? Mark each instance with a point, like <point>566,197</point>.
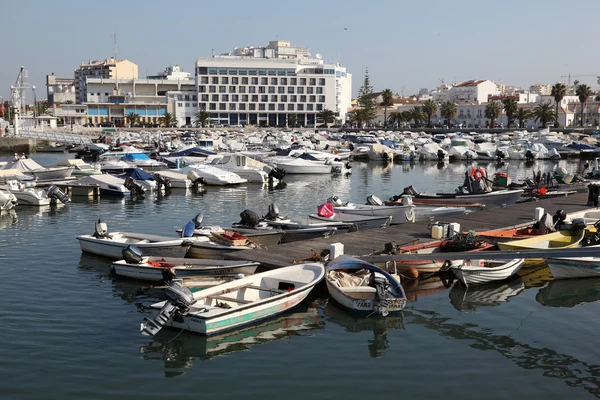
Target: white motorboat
<point>575,267</point>
<point>141,160</point>
<point>400,214</point>
<point>360,222</point>
<point>473,272</point>
<point>297,165</point>
<point>176,179</point>
<point>109,185</point>
<point>8,201</point>
<point>361,286</point>
<point>242,165</point>
<point>231,305</point>
<point>26,194</point>
<point>81,168</point>
<point>30,167</point>
<point>433,151</point>
<point>213,175</point>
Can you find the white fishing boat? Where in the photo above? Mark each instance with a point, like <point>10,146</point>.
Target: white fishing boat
<point>109,185</point>
<point>234,304</point>
<point>400,214</point>
<point>361,286</point>
<point>8,201</point>
<point>473,272</point>
<point>30,167</point>
<point>213,175</point>
<point>111,245</point>
<point>360,222</point>
<point>210,249</point>
<point>576,267</point>
<point>136,266</point>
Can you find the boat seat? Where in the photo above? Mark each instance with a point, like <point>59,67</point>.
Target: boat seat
<point>358,289</point>
<point>225,298</point>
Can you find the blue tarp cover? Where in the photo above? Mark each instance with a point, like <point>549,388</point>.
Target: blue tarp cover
<point>137,174</point>
<point>135,157</point>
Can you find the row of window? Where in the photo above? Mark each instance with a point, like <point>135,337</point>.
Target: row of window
<point>187,105</point>
<point>260,107</point>
<point>249,71</point>
<point>234,80</point>
<point>260,89</point>
<point>263,98</point>
<point>186,97</point>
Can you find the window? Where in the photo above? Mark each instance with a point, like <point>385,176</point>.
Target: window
<point>223,107</point>
<point>312,99</point>
<point>224,97</point>
<point>187,97</point>
<point>300,107</point>
<point>232,106</point>
<point>187,105</point>
<point>312,81</point>
<point>252,72</point>
<point>262,107</point>
<point>231,89</point>
<point>234,97</point>
<point>271,107</point>
<point>252,107</point>
<point>204,80</point>
<point>321,99</point>
<point>280,107</point>
<point>262,89</point>
<point>245,98</point>
<point>273,81</point>
<point>321,81</point>
<point>302,81</point>
<point>242,72</point>
<point>283,98</point>
<point>302,99</point>
<point>242,89</point>
<point>319,107</point>
<point>222,72</point>
<point>224,80</point>
<point>309,90</point>
<point>290,107</point>
<point>242,107</point>
<point>264,81</point>
<point>254,98</point>
<point>271,89</point>
<point>202,89</point>
<point>195,98</point>
<point>272,72</point>
<point>244,81</point>
<point>212,106</point>
<point>290,90</point>
<point>251,89</point>
<point>254,81</point>
<point>222,89</point>
<point>264,98</point>
<point>215,97</point>
<point>300,90</point>
<point>235,80</point>
<point>204,97</point>
<point>179,104</point>
<point>309,107</point>
<point>214,80</point>
<point>293,81</point>
<point>212,89</point>
<point>319,90</point>
<point>274,98</point>
<point>283,81</point>
<point>293,99</point>
<point>280,90</point>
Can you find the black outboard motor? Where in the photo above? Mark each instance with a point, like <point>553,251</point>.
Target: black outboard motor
<point>249,218</point>
<point>272,212</point>
<point>162,181</point>
<point>197,220</point>
<point>529,156</point>
<point>500,155</point>
<point>132,255</point>
<point>441,155</point>
<point>382,286</point>
<point>100,229</point>
<point>277,173</point>
<point>133,187</point>
<point>179,300</point>
<point>56,194</point>
<point>196,179</point>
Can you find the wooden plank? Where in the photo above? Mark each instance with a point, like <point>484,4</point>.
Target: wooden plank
<point>225,298</point>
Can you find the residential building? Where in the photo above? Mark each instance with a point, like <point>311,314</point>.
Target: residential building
<point>472,92</point>
<point>106,69</point>
<point>541,89</point>
<point>59,90</point>
<point>270,85</point>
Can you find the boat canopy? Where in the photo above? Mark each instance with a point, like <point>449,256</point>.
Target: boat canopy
<point>137,174</point>
<point>135,157</point>
<point>347,262</point>
<point>193,151</point>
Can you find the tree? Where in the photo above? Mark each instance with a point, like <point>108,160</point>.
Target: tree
<point>327,116</point>
<point>510,108</point>
<point>448,110</point>
<point>202,117</point>
<point>388,98</point>
<point>366,101</point>
<point>559,91</point>
<point>167,119</point>
<point>41,108</point>
<point>292,120</point>
<point>544,113</point>
<point>492,111</point>
<point>396,118</point>
<point>522,115</point>
<point>416,114</point>
<point>132,118</point>
<point>583,92</point>
<point>429,108</point>
<point>597,98</point>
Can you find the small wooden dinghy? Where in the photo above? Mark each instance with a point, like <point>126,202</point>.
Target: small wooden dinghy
<point>500,234</point>
<point>560,239</point>
<point>166,268</point>
<point>474,272</point>
<point>363,287</point>
<point>234,304</point>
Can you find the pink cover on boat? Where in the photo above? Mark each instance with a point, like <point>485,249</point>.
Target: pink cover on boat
<point>325,210</point>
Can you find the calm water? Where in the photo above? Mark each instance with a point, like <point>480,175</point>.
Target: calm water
<point>70,330</point>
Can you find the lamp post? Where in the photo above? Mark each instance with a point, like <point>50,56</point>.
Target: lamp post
<point>34,107</point>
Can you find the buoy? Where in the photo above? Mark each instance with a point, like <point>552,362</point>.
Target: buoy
<point>412,273</point>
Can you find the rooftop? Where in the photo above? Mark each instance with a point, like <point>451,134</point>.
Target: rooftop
<point>471,83</point>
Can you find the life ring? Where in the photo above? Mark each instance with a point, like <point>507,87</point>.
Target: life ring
<point>478,173</point>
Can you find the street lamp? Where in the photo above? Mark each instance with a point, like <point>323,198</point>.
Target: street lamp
<point>34,107</point>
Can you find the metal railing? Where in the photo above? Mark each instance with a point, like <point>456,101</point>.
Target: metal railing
<point>56,137</point>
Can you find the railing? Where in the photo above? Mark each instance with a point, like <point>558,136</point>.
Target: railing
<point>56,137</point>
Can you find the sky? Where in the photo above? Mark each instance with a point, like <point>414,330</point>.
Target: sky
<point>405,45</point>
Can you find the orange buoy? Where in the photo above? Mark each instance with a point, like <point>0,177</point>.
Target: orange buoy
<point>412,273</point>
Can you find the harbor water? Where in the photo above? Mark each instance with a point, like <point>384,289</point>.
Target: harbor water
<point>70,330</point>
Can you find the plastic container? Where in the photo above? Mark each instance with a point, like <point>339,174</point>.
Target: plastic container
<point>453,229</point>
<point>539,213</point>
<point>437,232</point>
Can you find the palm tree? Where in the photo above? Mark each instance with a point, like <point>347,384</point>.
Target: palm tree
<point>522,115</point>
<point>416,114</point>
<point>597,98</point>
<point>559,91</point>
<point>544,113</point>
<point>292,120</point>
<point>492,111</point>
<point>429,108</point>
<point>132,118</point>
<point>448,110</point>
<point>388,98</point>
<point>167,119</point>
<point>510,108</point>
<point>327,116</point>
<point>202,117</point>
<point>583,92</point>
<point>398,118</point>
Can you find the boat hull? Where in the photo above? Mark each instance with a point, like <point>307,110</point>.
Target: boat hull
<point>52,173</point>
<point>567,268</point>
<point>212,251</point>
<point>113,249</point>
<point>399,214</point>
<point>474,274</point>
<point>364,305</point>
<point>149,273</point>
<point>496,199</point>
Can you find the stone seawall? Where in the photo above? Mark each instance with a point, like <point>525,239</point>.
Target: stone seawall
<point>17,145</point>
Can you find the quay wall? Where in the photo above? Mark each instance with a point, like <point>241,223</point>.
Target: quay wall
<point>17,145</point>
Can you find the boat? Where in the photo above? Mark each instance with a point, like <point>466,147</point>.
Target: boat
<point>158,268</point>
<point>26,195</point>
<point>560,239</point>
<point>246,167</point>
<point>298,165</point>
<point>141,160</point>
<point>141,177</point>
<point>109,185</point>
<point>213,175</point>
<point>111,245</point>
<point>493,294</point>
<point>8,201</point>
<point>177,180</point>
<point>569,293</point>
<point>498,198</point>
<point>362,287</point>
<point>517,233</point>
<point>575,267</point>
<point>81,168</point>
<point>400,214</point>
<point>234,304</point>
<point>30,167</point>
<point>473,272</point>
<point>211,249</point>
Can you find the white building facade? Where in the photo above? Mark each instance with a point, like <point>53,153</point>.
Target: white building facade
<point>472,92</point>
<point>271,86</point>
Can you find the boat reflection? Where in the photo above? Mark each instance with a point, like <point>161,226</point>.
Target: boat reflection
<point>569,292</point>
<point>535,276</point>
<point>424,287</point>
<point>354,323</point>
<point>178,350</point>
<point>490,294</point>
<point>8,218</point>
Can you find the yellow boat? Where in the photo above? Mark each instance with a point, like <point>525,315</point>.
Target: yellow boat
<point>555,240</point>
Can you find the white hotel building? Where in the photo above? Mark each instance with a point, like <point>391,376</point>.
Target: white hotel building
<point>264,86</point>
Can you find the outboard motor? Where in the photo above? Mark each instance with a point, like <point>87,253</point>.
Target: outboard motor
<point>249,218</point>
<point>336,201</point>
<point>500,155</point>
<point>196,179</point>
<point>132,186</point>
<point>382,286</point>
<point>277,173</point>
<point>441,155</point>
<point>56,194</point>
<point>132,255</point>
<point>197,220</point>
<point>410,191</point>
<point>272,212</point>
<point>179,300</point>
<point>162,181</point>
<point>529,156</point>
<point>374,200</point>
<point>100,229</point>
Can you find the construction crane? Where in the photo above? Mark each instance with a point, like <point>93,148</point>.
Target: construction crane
<point>580,76</point>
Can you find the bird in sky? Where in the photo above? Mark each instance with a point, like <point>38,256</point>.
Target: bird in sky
<point>345,29</point>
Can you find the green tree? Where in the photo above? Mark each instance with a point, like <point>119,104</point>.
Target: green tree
<point>597,98</point>
<point>132,118</point>
<point>388,100</point>
<point>522,115</point>
<point>417,115</point>
<point>559,91</point>
<point>327,116</point>
<point>583,92</point>
<point>202,117</point>
<point>448,110</point>
<point>292,120</point>
<point>492,111</point>
<point>167,119</point>
<point>366,101</point>
<point>41,108</point>
<point>429,108</point>
<point>510,108</point>
<point>544,113</point>
<point>396,118</point>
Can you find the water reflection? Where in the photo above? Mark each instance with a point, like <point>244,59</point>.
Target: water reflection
<point>574,372</point>
<point>178,350</point>
<point>569,292</point>
<point>8,218</point>
<point>535,276</point>
<point>490,294</point>
<point>424,287</point>
<point>354,323</point>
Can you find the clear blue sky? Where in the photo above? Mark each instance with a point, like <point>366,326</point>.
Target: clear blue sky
<point>410,44</point>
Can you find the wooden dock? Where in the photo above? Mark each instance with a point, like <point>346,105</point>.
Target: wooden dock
<point>366,242</point>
